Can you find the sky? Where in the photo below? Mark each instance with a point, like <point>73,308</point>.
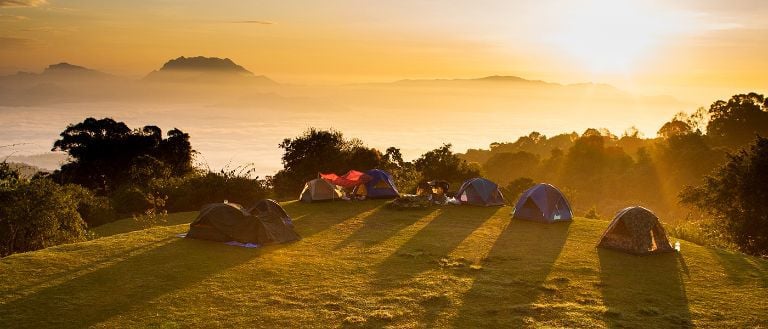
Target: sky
<point>693,49</point>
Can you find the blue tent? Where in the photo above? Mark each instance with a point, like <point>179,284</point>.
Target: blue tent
<point>480,192</point>
<point>544,203</point>
<point>381,186</point>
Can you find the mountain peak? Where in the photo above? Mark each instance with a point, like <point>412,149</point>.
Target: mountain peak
<point>64,66</point>
<point>204,64</point>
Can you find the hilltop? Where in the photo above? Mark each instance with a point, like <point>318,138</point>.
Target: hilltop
<point>204,70</point>
<point>362,265</point>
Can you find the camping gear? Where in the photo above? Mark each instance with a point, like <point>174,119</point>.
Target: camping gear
<point>351,179</point>
<point>411,202</point>
<point>381,186</point>
<point>480,192</point>
<point>439,184</point>
<point>266,223</point>
<point>543,203</point>
<point>636,230</point>
<point>319,189</point>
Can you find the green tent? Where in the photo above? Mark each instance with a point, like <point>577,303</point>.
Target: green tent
<point>264,223</point>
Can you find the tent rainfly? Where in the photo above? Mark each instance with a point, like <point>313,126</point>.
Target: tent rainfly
<point>636,230</point>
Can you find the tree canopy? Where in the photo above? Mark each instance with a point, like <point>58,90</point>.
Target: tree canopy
<point>104,151</point>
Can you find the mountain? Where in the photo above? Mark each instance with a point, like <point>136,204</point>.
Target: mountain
<point>57,83</point>
<point>57,73</point>
<point>204,70</point>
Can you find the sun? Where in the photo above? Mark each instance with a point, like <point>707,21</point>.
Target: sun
<point>609,36</point>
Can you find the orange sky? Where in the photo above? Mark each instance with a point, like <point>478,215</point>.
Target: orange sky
<point>698,50</point>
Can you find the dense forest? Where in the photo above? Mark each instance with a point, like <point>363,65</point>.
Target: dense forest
<point>705,174</point>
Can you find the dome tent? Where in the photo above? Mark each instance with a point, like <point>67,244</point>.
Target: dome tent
<point>480,192</point>
<point>319,189</point>
<point>636,230</point>
<point>543,203</point>
<point>380,186</point>
<point>265,223</point>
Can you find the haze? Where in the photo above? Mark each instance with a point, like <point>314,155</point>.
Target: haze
<point>611,64</point>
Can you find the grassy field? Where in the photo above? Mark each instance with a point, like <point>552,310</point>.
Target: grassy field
<point>362,265</point>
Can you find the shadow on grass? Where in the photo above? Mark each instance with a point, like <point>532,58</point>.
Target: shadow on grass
<point>741,268</point>
<point>382,224</point>
<point>313,218</point>
<point>64,274</point>
<point>129,225</point>
<point>124,286</point>
<point>433,242</point>
<point>513,276</point>
<point>643,289</point>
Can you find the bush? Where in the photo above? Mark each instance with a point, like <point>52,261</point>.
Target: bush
<point>193,191</point>
<point>129,200</point>
<point>734,196</point>
<point>95,210</point>
<point>36,214</point>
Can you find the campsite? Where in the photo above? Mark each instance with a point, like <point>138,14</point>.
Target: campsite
<point>384,164</point>
<point>362,265</point>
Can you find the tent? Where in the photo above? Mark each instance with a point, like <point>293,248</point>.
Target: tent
<point>319,189</point>
<point>480,192</point>
<point>278,226</point>
<point>636,230</point>
<point>224,222</point>
<point>380,186</point>
<point>543,203</point>
<point>351,179</point>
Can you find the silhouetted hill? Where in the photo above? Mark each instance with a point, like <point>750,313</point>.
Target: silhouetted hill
<point>200,63</point>
<point>62,82</point>
<point>56,73</point>
<point>204,70</point>
<point>72,70</point>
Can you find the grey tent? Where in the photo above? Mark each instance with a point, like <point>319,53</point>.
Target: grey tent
<point>543,203</point>
<point>319,189</point>
<point>480,192</point>
<point>265,223</point>
<point>636,230</point>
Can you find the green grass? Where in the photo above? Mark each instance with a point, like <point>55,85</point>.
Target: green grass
<point>362,265</point>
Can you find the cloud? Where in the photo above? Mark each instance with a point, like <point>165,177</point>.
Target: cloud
<point>254,22</point>
<point>11,42</point>
<point>22,3</point>
<point>12,18</point>
<point>50,29</point>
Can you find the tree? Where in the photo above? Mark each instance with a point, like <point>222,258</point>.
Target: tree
<point>515,188</point>
<point>735,196</point>
<point>673,128</point>
<point>104,151</point>
<point>320,151</point>
<point>504,167</point>
<point>734,123</point>
<point>442,163</point>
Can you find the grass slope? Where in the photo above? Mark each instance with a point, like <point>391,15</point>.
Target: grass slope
<point>362,265</point>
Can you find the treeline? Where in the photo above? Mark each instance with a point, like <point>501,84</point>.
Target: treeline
<point>602,172</point>
<point>325,151</point>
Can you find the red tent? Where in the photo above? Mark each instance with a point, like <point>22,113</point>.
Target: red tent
<point>350,179</point>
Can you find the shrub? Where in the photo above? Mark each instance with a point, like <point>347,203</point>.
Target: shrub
<point>36,214</point>
<point>193,191</point>
<point>734,195</point>
<point>130,199</point>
